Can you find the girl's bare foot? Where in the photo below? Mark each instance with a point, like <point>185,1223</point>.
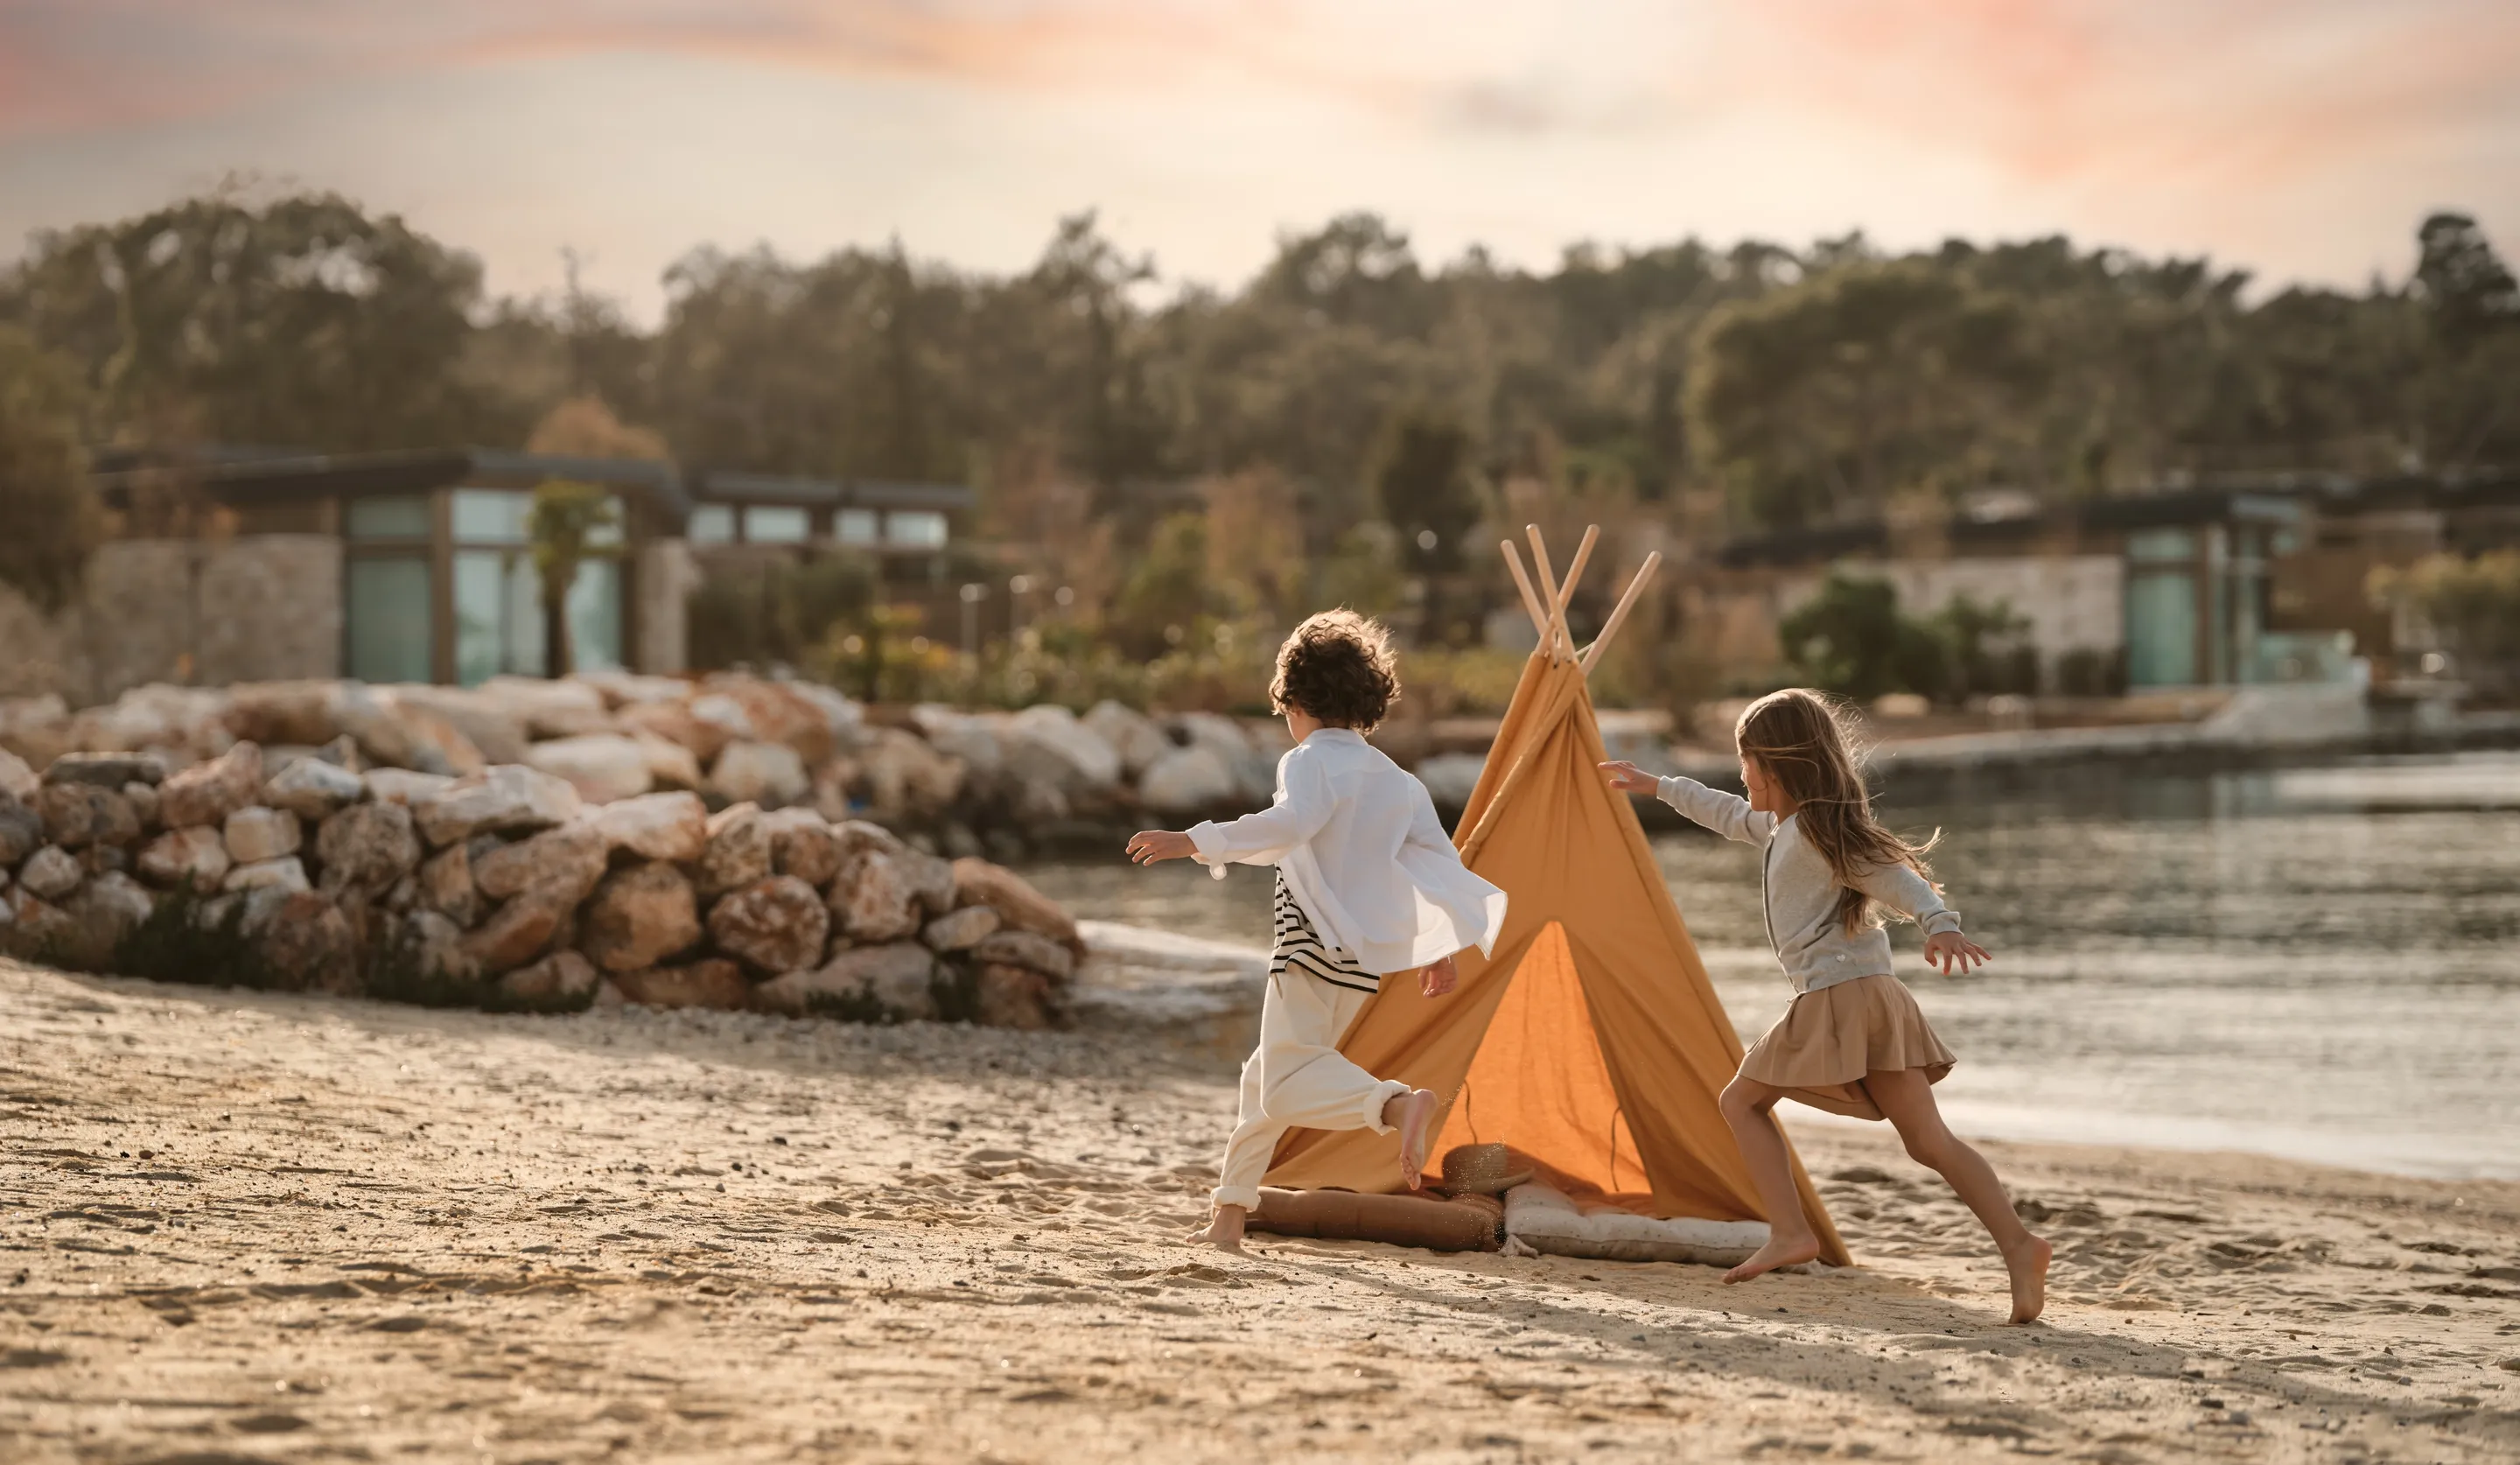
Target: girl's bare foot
<point>1785,1251</point>
<point>1224,1230</point>
<point>2027,1262</point>
<point>1413,1113</point>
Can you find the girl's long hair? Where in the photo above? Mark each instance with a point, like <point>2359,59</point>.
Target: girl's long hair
<point>1800,741</point>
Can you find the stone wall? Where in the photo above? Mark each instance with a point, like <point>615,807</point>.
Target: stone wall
<point>255,608</point>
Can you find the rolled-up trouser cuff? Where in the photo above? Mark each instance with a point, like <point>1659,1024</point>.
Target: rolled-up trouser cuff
<point>1246,1196</point>
<point>1383,1093</point>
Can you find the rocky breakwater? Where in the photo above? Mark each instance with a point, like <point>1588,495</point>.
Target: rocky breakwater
<point>505,887</point>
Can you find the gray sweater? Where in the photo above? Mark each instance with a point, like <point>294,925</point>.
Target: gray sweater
<point>1800,891</point>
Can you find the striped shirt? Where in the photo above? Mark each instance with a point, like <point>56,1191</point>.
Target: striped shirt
<point>1301,948</point>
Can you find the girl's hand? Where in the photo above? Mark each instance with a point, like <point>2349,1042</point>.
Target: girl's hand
<point>1439,978</point>
<point>1949,949</point>
<point>1628,778</point>
<point>1150,846</point>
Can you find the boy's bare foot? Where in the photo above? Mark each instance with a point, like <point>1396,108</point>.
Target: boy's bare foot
<point>1224,1230</point>
<point>2027,1262</point>
<point>1779,1252</point>
<point>1413,1113</point>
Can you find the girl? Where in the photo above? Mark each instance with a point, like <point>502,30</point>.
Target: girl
<point>1853,1041</point>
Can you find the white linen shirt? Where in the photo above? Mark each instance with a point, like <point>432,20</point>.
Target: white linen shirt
<point>1799,892</point>
<point>1363,854</point>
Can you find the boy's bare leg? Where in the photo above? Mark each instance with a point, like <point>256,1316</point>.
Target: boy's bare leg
<point>1907,1099</point>
<point>1224,1230</point>
<point>1747,1105</point>
<point>1413,1113</point>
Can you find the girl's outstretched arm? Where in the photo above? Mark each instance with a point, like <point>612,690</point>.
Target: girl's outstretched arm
<point>1912,895</point>
<point>1728,814</point>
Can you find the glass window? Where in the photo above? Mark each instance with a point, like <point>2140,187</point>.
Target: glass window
<point>404,518</point>
<point>389,620</point>
<point>916,529</point>
<point>856,525</point>
<point>2161,629</point>
<point>595,617</point>
<point>2161,546</point>
<point>492,515</point>
<point>774,526</point>
<point>711,524</point>
<point>498,616</point>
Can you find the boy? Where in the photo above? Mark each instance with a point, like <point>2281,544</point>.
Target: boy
<point>1367,886</point>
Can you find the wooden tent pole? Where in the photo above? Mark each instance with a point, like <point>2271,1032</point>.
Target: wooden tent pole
<point>1619,616</point>
<point>1522,582</point>
<point>1575,570</point>
<point>1555,635</point>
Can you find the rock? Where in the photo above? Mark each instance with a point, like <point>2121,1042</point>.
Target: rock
<point>1256,771</point>
<point>977,739</point>
<point>930,877</point>
<point>306,941</point>
<point>564,865</point>
<point>1029,949</point>
<point>601,767</point>
<point>712,982</point>
<point>1017,997</point>
<point>366,848</point>
<point>769,774</point>
<point>1187,779</point>
<point>446,887</point>
<point>508,799</point>
<point>257,833</point>
<point>873,899</point>
<point>670,766</point>
<point>143,803</point>
<point>484,721</point>
<point>639,917</point>
<point>656,826</point>
<point>674,722</point>
<point>100,859</point>
<point>436,943</point>
<point>273,712</point>
<point>776,925</point>
<point>284,873</point>
<point>889,983</point>
<point>739,853</point>
<point>16,780</point>
<point>561,980</point>
<point>802,844</point>
<point>195,858</point>
<point>39,929</point>
<point>313,789</point>
<point>21,832</point>
<point>1045,744</point>
<point>564,709</point>
<point>104,770</point>
<point>52,873</point>
<point>516,934</point>
<point>620,689</point>
<point>206,793</point>
<point>845,719</point>
<point>1132,734</point>
<point>777,714</point>
<point>402,734</point>
<point>904,778</point>
<point>724,717</point>
<point>978,882</point>
<point>78,814</point>
<point>404,787</point>
<point>959,931</point>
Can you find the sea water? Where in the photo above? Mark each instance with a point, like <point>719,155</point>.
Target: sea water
<point>2321,963</point>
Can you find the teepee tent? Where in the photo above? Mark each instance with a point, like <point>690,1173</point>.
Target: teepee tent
<point>1591,1041</point>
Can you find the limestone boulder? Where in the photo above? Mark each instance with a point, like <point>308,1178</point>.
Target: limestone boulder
<point>194,859</point>
<point>284,874</point>
<point>206,793</point>
<point>52,873</point>
<point>656,826</point>
<point>404,787</point>
<point>101,859</point>
<point>564,709</point>
<point>769,774</point>
<point>401,735</point>
<point>1030,950</point>
<point>142,799</point>
<point>959,931</point>
<point>778,713</point>
<point>977,882</point>
<point>256,833</point>
<point>368,848</point>
<point>873,898</point>
<point>639,917</point>
<point>1254,769</point>
<point>774,925</point>
<point>675,724</point>
<point>803,845</point>
<point>901,777</point>
<point>1047,745</point>
<point>623,689</point>
<point>18,780</point>
<point>712,982</point>
<point>563,864</point>
<point>670,766</point>
<point>493,731</point>
<point>78,814</point>
<point>601,767</point>
<point>723,716</point>
<point>740,851</point>
<point>977,739</point>
<point>446,887</point>
<point>1011,996</point>
<point>22,831</point>
<point>38,929</point>
<point>271,714</point>
<point>105,911</point>
<point>1189,780</point>
<point>310,788</point>
<point>507,799</point>
<point>516,934</point>
<point>563,979</point>
<point>886,983</point>
<point>1132,734</point>
<point>308,942</point>
<point>104,770</point>
<point>436,943</point>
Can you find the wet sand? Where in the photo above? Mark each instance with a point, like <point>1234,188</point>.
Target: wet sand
<point>243,1227</point>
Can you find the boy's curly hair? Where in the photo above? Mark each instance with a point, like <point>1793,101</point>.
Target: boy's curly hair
<point>1338,666</point>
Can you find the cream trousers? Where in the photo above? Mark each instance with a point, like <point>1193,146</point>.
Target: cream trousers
<point>1298,1080</point>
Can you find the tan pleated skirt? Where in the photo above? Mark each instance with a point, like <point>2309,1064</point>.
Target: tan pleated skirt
<point>1822,1048</point>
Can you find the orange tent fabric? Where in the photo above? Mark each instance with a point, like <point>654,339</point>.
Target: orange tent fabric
<point>1591,1041</point>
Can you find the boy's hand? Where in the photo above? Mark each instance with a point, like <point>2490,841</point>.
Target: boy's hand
<point>1439,978</point>
<point>1948,949</point>
<point>1628,778</point>
<point>1149,846</point>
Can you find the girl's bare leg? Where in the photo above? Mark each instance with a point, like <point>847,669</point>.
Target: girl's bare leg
<point>1748,1107</point>
<point>1224,1230</point>
<point>1906,1100</point>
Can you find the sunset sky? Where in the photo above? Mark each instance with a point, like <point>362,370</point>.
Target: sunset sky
<point>2301,138</point>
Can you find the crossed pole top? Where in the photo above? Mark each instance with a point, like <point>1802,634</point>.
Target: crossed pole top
<point>1547,605</point>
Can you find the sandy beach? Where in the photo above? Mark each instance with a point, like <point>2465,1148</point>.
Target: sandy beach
<point>243,1226</point>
